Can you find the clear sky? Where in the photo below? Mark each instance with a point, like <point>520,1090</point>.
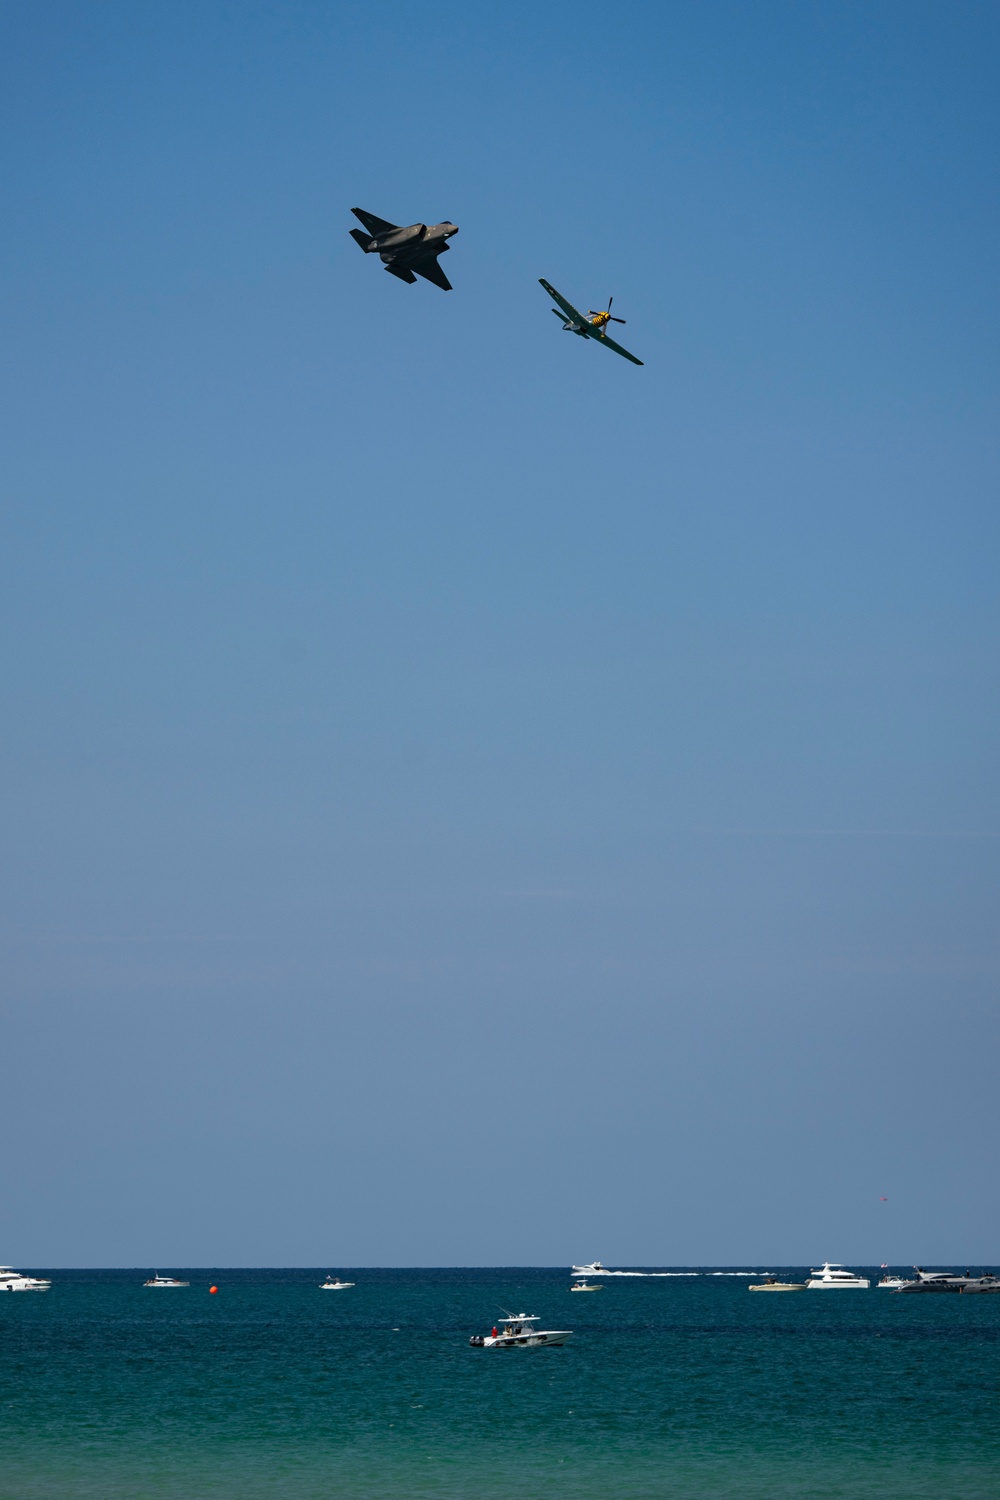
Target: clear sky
<point>468,799</point>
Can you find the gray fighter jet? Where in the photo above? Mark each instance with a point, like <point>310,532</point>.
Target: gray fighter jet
<point>406,253</point>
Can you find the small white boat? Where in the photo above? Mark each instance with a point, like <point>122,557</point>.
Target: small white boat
<point>594,1269</point>
<point>891,1283</point>
<point>519,1332</point>
<point>159,1280</point>
<point>13,1281</point>
<point>833,1275</point>
<point>334,1284</point>
<point>772,1284</point>
<point>586,1286</point>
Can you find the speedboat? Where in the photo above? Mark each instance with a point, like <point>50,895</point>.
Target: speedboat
<point>334,1284</point>
<point>834,1275</point>
<point>891,1283</point>
<point>13,1281</point>
<point>594,1269</point>
<point>159,1280</point>
<point>586,1286</point>
<point>519,1332</point>
<point>772,1284</point>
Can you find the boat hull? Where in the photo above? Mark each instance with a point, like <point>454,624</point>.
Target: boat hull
<point>838,1286</point>
<point>542,1339</point>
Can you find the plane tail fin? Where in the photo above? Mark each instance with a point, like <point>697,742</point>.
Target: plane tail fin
<point>364,240</point>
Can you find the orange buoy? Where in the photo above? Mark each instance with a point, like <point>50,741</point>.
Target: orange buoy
<point>213,1290</point>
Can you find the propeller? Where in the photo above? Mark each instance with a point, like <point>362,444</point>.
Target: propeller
<point>595,313</point>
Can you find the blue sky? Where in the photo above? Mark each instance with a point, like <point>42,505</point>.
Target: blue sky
<point>468,799</point>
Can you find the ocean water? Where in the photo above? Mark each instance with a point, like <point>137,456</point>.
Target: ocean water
<point>677,1387</point>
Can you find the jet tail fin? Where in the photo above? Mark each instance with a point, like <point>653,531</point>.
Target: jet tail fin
<point>364,240</point>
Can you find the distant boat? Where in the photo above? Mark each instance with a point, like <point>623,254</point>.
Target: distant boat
<point>518,1332</point>
<point>833,1275</point>
<point>772,1284</point>
<point>334,1284</point>
<point>891,1283</point>
<point>13,1281</point>
<point>159,1280</point>
<point>586,1286</point>
<point>937,1281</point>
<point>594,1269</point>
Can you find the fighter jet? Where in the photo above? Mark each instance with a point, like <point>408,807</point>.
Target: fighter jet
<point>406,251</point>
<point>591,327</point>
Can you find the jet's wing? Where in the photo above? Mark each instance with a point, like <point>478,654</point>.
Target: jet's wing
<point>402,272</point>
<point>431,271</point>
<point>372,222</point>
<point>567,307</point>
<point>602,338</point>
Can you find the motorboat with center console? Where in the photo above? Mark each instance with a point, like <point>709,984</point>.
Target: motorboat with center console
<point>13,1281</point>
<point>834,1275</point>
<point>587,1286</point>
<point>334,1284</point>
<point>518,1332</point>
<point>772,1284</point>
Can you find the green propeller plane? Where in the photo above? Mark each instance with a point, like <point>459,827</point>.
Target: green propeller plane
<point>592,327</point>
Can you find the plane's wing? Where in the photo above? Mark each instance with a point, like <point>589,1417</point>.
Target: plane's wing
<point>567,307</point>
<point>610,344</point>
<point>402,272</point>
<point>431,271</point>
<point>372,222</point>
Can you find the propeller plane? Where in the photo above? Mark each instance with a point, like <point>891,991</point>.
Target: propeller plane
<point>593,326</point>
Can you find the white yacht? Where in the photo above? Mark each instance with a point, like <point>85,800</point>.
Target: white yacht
<point>586,1286</point>
<point>13,1281</point>
<point>937,1281</point>
<point>334,1284</point>
<point>159,1280</point>
<point>833,1274</point>
<point>594,1269</point>
<point>518,1332</point>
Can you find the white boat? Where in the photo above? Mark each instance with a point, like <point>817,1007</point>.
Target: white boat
<point>159,1280</point>
<point>13,1281</point>
<point>586,1286</point>
<point>772,1284</point>
<point>937,1281</point>
<point>833,1275</point>
<point>891,1283</point>
<point>334,1284</point>
<point>518,1332</point>
<point>594,1269</point>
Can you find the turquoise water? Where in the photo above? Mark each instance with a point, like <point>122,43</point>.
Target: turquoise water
<point>670,1388</point>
